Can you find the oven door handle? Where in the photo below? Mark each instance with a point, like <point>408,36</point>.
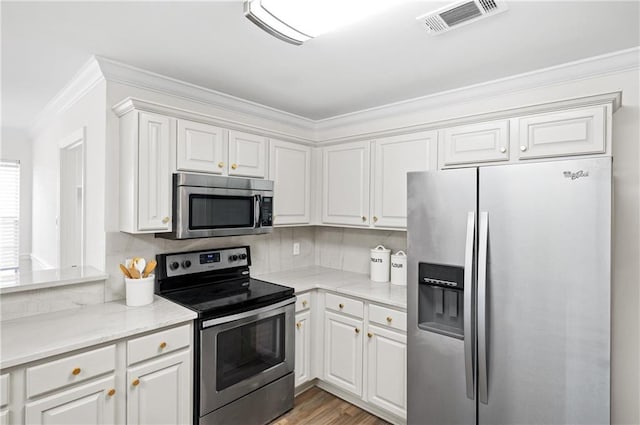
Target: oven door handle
<point>245,314</point>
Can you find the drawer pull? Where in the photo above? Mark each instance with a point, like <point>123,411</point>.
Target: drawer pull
<point>341,306</point>
<point>135,382</point>
<point>76,371</point>
<point>304,303</point>
<point>111,392</point>
<point>163,345</point>
<point>357,330</point>
<point>369,334</point>
<point>298,325</point>
<point>220,164</point>
<point>389,319</point>
<point>234,166</point>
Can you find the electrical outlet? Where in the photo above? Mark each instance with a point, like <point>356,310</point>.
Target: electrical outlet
<point>296,248</point>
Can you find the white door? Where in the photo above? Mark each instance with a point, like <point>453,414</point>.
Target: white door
<point>345,188</point>
<point>247,155</point>
<point>201,148</point>
<point>303,347</point>
<point>154,173</point>
<point>343,352</point>
<point>387,370</point>
<point>575,132</point>
<point>471,143</point>
<point>290,169</point>
<point>159,391</point>
<point>394,158</point>
<point>87,404</point>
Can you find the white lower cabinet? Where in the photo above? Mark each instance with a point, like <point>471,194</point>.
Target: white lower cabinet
<point>343,352</point>
<point>4,399</point>
<point>387,369</point>
<point>90,403</point>
<point>158,391</point>
<point>303,347</point>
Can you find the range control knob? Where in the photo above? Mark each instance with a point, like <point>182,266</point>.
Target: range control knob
<point>186,264</point>
<point>243,256</point>
<point>233,257</point>
<point>174,265</point>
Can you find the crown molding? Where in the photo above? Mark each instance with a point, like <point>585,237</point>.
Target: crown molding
<point>82,82</point>
<point>596,66</point>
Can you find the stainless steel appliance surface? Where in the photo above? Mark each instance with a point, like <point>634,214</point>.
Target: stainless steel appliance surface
<point>244,335</point>
<point>207,206</point>
<point>509,294</point>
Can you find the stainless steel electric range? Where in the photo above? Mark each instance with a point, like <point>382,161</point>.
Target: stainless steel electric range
<point>244,335</point>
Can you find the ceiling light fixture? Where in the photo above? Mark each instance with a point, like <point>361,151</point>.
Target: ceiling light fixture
<point>296,21</point>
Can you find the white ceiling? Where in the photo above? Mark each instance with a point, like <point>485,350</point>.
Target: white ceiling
<point>386,59</point>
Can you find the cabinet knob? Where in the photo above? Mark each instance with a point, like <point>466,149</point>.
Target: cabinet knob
<point>503,149</point>
<point>220,164</point>
<point>298,325</point>
<point>304,303</point>
<point>76,371</point>
<point>369,334</point>
<point>234,166</point>
<point>135,382</point>
<point>111,392</point>
<point>163,345</point>
<point>364,218</point>
<point>375,219</point>
<point>389,319</point>
<point>357,330</point>
<point>523,148</point>
<point>165,220</point>
<point>341,306</point>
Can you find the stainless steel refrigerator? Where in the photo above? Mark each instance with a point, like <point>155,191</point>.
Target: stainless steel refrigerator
<point>509,294</point>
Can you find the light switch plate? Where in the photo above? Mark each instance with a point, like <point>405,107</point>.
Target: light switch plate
<point>296,248</point>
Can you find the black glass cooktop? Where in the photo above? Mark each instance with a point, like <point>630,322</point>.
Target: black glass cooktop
<point>229,297</point>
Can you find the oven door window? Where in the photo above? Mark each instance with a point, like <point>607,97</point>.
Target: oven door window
<point>221,212</point>
<point>247,350</point>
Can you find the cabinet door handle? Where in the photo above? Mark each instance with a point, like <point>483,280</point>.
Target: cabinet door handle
<point>234,166</point>
<point>503,149</point>
<point>135,382</point>
<point>341,306</point>
<point>165,220</point>
<point>163,345</point>
<point>364,218</point>
<point>357,330</point>
<point>220,164</point>
<point>523,148</point>
<point>111,392</point>
<point>389,319</point>
<point>375,219</point>
<point>304,303</point>
<point>369,334</point>
<point>298,325</point>
<point>76,371</point>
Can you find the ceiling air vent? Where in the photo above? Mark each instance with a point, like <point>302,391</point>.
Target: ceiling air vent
<point>460,13</point>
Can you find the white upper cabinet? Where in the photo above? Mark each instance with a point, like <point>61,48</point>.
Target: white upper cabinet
<point>145,172</point>
<point>290,169</point>
<point>201,148</point>
<point>345,188</point>
<point>247,155</point>
<point>394,158</point>
<point>573,132</point>
<point>472,143</point>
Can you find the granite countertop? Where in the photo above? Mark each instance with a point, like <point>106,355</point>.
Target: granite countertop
<point>36,337</point>
<point>48,278</point>
<point>348,283</point>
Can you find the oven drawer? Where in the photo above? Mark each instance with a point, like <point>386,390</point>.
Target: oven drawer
<point>70,370</point>
<point>303,302</point>
<point>345,305</point>
<point>389,317</point>
<point>156,344</point>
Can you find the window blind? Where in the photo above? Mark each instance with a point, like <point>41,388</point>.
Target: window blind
<point>9,213</point>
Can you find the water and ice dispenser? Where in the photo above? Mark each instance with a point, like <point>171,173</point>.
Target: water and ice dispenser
<point>441,299</point>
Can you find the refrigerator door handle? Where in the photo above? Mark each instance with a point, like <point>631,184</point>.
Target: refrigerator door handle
<point>469,340</point>
<point>482,307</point>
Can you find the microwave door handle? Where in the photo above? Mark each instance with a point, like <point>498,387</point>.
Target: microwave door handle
<point>256,211</point>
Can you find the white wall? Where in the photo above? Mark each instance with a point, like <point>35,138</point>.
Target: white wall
<point>16,145</point>
<point>88,112</point>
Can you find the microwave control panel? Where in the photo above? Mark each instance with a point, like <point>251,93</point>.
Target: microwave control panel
<point>266,211</point>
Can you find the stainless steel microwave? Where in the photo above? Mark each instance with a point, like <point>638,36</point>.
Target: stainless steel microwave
<point>209,206</point>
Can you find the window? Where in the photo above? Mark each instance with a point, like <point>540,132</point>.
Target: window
<point>9,214</point>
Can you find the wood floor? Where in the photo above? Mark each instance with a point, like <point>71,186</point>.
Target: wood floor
<point>318,407</point>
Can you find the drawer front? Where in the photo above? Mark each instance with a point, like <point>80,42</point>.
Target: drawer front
<point>70,370</point>
<point>345,305</point>
<point>4,390</point>
<point>156,344</point>
<point>388,317</point>
<point>303,302</point>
